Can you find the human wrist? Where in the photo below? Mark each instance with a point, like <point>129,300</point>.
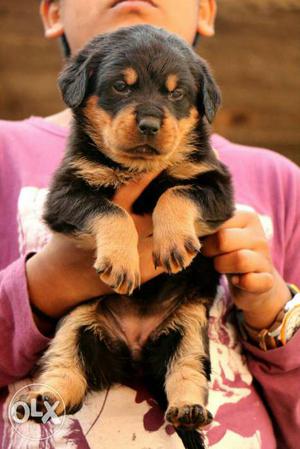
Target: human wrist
<point>283,328</point>
<point>268,305</point>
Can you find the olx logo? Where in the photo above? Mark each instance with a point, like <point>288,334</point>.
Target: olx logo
<point>26,409</point>
<point>21,412</point>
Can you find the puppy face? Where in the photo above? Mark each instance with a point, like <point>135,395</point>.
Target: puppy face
<point>139,93</point>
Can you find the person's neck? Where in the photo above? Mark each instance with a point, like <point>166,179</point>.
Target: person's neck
<point>62,118</point>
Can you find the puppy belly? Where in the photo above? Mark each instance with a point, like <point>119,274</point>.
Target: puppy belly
<point>129,322</point>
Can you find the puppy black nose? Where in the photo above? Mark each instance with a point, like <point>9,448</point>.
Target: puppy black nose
<point>149,125</point>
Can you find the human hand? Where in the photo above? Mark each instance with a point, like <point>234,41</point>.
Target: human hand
<point>61,275</point>
<point>241,251</point>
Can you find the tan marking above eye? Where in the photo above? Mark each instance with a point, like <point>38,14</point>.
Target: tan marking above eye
<point>171,82</point>
<point>130,76</point>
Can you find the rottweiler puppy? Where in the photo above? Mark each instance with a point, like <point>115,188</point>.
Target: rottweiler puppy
<point>141,101</point>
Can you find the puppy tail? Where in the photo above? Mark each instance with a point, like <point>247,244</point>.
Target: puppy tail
<point>192,439</point>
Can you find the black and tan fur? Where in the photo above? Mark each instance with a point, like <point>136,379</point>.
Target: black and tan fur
<point>141,100</point>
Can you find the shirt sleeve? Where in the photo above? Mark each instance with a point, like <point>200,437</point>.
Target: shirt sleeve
<point>21,341</point>
<point>278,374</point>
<point>278,371</point>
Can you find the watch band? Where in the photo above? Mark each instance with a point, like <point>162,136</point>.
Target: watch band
<point>264,338</point>
<point>275,335</point>
<point>291,319</point>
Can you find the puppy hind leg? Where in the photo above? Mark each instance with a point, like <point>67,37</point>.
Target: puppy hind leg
<point>186,382</point>
<point>189,371</point>
<point>61,373</point>
<point>157,357</point>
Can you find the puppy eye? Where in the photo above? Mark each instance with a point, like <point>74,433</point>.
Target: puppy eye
<point>176,94</point>
<point>121,87</point>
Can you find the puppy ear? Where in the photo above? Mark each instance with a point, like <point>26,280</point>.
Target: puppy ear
<point>74,79</point>
<point>209,95</point>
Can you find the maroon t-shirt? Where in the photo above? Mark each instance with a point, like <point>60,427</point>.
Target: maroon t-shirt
<point>254,395</point>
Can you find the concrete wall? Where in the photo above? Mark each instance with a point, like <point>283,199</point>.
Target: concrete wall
<point>255,57</point>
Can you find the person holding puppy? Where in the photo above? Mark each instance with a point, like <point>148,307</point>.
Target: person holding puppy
<point>255,403</point>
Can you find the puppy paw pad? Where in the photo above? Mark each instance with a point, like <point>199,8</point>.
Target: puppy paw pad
<point>189,416</point>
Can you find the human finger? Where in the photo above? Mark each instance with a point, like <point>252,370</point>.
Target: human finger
<point>233,239</point>
<point>256,283</point>
<point>242,261</point>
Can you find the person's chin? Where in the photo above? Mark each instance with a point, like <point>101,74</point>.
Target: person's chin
<point>118,14</point>
<point>129,10</point>
<point>132,6</point>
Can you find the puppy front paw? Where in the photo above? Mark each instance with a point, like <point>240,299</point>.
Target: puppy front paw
<point>174,251</point>
<point>121,272</point>
<point>117,257</point>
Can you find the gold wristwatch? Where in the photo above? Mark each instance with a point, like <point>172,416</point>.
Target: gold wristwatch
<point>285,325</point>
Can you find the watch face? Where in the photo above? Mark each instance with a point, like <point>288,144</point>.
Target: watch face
<point>292,323</point>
